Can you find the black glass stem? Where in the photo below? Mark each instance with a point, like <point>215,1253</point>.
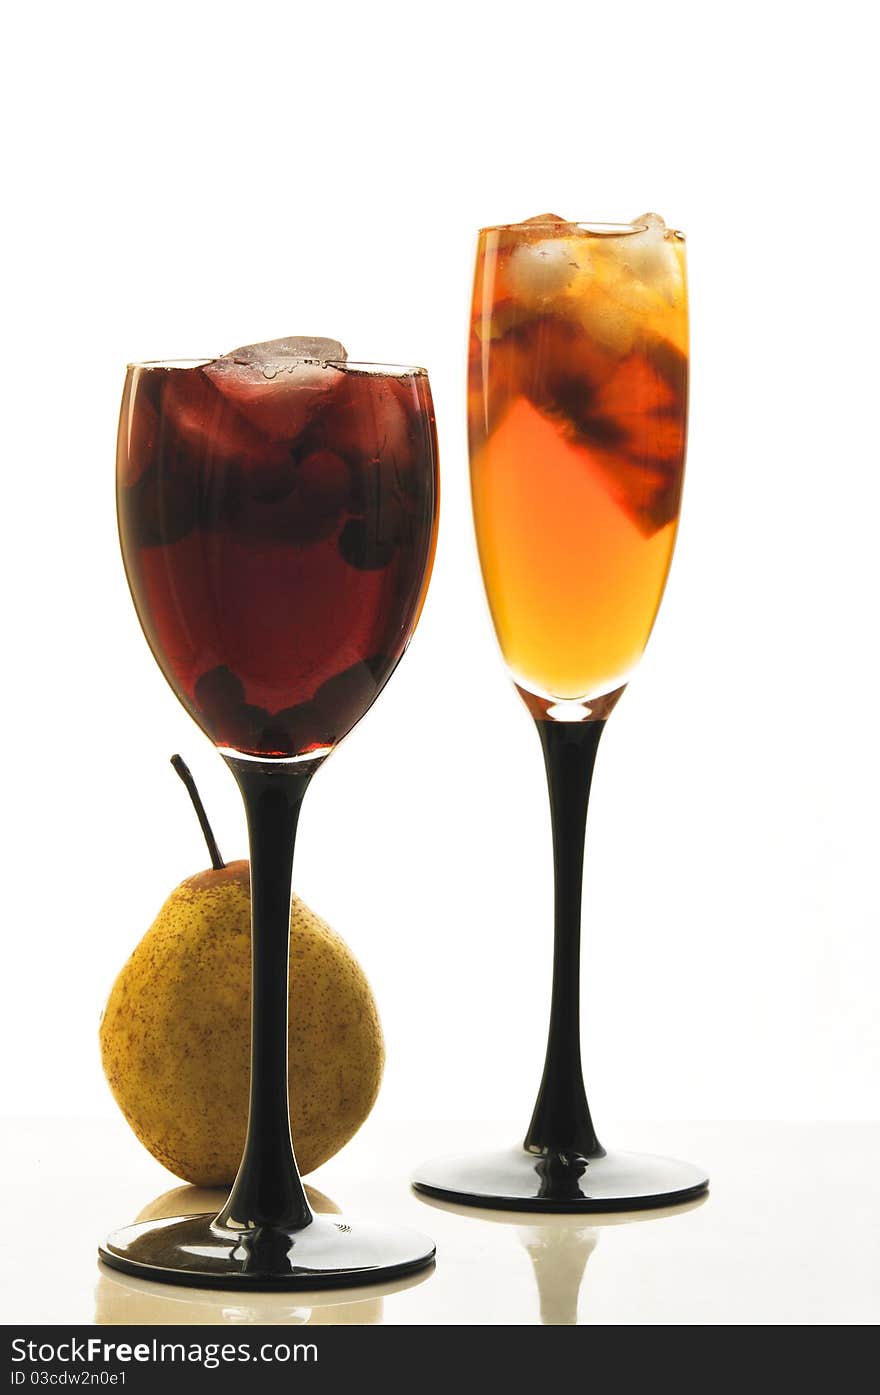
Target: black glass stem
<point>562,1166</point>
<point>267,1191</point>
<point>561,1123</point>
<point>266,1235</point>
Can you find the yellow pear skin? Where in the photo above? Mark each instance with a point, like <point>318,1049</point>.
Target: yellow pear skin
<point>175,1035</point>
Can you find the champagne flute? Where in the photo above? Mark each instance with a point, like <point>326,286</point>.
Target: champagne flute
<point>577,411</point>
<point>277,515</point>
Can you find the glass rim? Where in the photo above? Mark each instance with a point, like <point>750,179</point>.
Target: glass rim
<point>360,365</point>
<point>590,226</point>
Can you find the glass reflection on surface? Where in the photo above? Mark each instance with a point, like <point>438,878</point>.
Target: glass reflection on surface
<point>559,1246</point>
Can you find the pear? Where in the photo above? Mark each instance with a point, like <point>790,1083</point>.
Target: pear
<point>175,1034</point>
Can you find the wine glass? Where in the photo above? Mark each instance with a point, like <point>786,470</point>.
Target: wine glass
<point>277,517</point>
<point>577,412</point>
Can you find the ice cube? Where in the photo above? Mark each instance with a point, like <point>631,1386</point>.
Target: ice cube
<point>308,347</point>
<point>279,384</point>
<point>539,271</point>
<point>649,252</point>
<point>650,224</point>
<point>196,417</point>
<point>370,421</point>
<point>543,218</point>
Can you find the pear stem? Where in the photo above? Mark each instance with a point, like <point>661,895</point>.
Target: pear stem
<point>185,774</point>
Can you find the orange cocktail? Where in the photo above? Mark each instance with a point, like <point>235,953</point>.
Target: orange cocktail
<point>577,418</point>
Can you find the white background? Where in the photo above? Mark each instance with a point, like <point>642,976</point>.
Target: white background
<point>187,177</point>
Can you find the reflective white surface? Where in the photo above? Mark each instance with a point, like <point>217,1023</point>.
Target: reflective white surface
<point>788,1234</point>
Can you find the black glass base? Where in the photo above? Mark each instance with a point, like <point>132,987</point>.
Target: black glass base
<point>515,1180</point>
<point>329,1253</point>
